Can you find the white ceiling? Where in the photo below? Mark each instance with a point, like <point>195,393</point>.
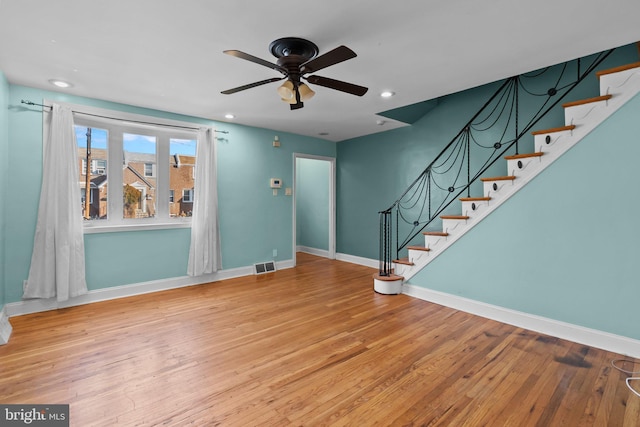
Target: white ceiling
<point>167,54</point>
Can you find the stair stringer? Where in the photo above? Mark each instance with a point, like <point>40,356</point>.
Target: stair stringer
<point>623,86</point>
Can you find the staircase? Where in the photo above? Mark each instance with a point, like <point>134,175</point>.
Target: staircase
<point>617,86</point>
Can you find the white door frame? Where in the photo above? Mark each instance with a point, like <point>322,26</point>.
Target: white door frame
<point>332,201</point>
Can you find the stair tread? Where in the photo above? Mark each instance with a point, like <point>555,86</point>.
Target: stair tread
<point>587,101</point>
<point>499,178</point>
<point>524,156</point>
<point>418,248</point>
<point>404,261</point>
<point>618,69</point>
<point>475,199</point>
<point>552,130</point>
<point>454,217</point>
<point>436,233</point>
<point>391,278</point>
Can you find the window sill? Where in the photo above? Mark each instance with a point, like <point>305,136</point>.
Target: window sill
<point>113,228</point>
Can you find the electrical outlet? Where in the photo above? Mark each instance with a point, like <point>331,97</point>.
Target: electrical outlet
<point>275,253</point>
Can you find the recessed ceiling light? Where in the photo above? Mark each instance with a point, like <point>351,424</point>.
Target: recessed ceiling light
<point>229,116</point>
<point>60,83</point>
<point>387,94</point>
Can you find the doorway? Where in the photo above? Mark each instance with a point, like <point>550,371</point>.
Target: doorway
<point>314,212</point>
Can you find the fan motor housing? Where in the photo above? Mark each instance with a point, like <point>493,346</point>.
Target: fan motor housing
<point>288,46</point>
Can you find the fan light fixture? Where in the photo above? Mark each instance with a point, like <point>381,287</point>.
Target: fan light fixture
<point>306,93</point>
<point>287,92</point>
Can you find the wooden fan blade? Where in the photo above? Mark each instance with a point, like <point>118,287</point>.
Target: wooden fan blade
<point>335,56</point>
<point>256,60</point>
<point>250,85</point>
<point>338,85</point>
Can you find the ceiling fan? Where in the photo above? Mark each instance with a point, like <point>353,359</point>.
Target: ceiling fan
<point>296,58</point>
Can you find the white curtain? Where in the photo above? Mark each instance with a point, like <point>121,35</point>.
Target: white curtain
<point>204,253</point>
<point>57,262</point>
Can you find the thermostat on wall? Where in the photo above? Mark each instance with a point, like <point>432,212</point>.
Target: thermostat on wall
<point>276,183</point>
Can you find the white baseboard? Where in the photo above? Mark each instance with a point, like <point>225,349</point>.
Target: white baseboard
<point>313,251</point>
<point>367,262</point>
<point>579,334</point>
<point>281,265</point>
<point>5,327</point>
<point>115,292</point>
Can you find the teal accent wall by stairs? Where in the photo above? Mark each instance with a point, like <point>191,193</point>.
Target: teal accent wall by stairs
<point>565,247</point>
<point>374,170</point>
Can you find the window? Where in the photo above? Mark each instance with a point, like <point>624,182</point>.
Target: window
<point>181,177</point>
<point>146,166</point>
<point>139,187</point>
<point>149,169</point>
<point>83,195</point>
<point>98,166</point>
<point>92,146</point>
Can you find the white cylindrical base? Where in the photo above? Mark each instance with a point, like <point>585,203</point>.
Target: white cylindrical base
<point>387,287</point>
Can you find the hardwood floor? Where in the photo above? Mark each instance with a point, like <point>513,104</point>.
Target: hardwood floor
<point>307,346</point>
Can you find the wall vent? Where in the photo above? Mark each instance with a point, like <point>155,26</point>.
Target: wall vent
<point>264,267</point>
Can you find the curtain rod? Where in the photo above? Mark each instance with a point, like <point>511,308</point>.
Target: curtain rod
<point>22,101</point>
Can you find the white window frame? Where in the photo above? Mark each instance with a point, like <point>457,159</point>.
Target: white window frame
<point>188,191</point>
<point>94,167</point>
<point>118,123</point>
<point>172,196</point>
<point>85,194</point>
<point>153,170</point>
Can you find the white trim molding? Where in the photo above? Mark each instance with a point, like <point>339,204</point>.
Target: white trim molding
<point>5,327</point>
<point>332,201</point>
<point>578,334</point>
<point>313,251</point>
<point>367,262</point>
<point>115,292</point>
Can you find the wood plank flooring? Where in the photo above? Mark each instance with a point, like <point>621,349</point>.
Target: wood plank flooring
<point>309,346</point>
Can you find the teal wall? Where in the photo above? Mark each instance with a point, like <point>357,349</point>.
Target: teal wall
<point>374,170</point>
<point>253,222</point>
<point>312,203</point>
<point>565,246</point>
<point>4,154</point>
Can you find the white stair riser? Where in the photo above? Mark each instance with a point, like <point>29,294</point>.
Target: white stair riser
<point>614,83</point>
<point>454,226</point>
<point>416,256</point>
<point>580,113</point>
<point>494,191</point>
<point>470,208</point>
<point>401,269</point>
<point>555,138</point>
<point>523,167</point>
<point>434,242</point>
